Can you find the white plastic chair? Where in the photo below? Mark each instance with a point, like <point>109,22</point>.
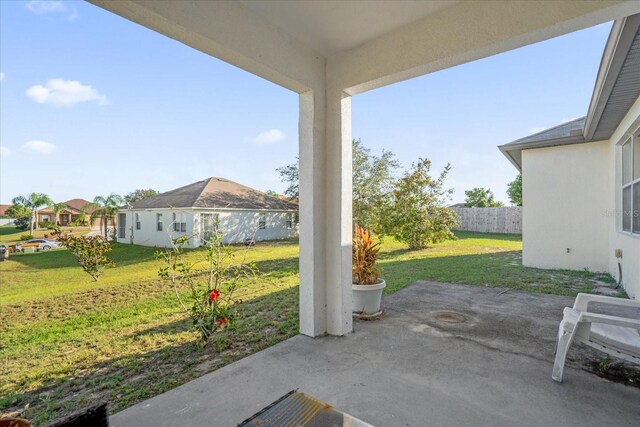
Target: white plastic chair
<point>615,335</point>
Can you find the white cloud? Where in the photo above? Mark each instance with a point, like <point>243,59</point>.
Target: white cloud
<point>4,151</point>
<point>269,137</point>
<point>40,7</point>
<point>65,93</point>
<point>1,76</point>
<point>39,147</point>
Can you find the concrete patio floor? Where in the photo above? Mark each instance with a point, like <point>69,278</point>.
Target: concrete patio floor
<point>410,369</point>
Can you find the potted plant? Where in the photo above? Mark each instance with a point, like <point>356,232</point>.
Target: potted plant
<point>366,285</point>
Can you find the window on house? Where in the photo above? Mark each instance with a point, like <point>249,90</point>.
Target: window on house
<point>208,226</point>
<point>262,221</point>
<point>296,218</point>
<point>122,225</point>
<point>289,221</point>
<point>179,224</point>
<point>631,184</point>
<point>159,221</point>
<point>138,221</point>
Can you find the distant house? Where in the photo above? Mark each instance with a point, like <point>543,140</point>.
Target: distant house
<point>4,218</point>
<point>75,209</point>
<point>197,210</point>
<point>581,179</point>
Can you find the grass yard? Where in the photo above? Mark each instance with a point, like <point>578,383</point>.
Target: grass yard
<point>10,235</point>
<point>67,342</point>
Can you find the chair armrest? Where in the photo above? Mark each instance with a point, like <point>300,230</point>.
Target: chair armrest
<point>609,320</point>
<point>582,301</point>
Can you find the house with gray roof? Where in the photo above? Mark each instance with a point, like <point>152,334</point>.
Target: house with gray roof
<point>581,179</point>
<point>200,209</point>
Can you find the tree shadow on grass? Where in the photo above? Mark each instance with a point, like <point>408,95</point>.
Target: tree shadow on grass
<point>122,255</point>
<point>5,231</point>
<point>128,379</point>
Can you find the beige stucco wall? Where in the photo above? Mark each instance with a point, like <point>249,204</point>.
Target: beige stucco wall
<point>565,194</point>
<point>630,244</point>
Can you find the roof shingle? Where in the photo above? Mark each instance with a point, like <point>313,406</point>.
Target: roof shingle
<point>215,193</point>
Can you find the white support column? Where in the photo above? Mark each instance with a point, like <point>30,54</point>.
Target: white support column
<point>338,212</point>
<point>312,211</point>
<point>325,213</point>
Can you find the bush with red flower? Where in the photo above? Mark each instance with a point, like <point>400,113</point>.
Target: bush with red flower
<point>207,295</point>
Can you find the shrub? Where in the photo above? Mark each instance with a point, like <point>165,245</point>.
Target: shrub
<point>210,301</point>
<point>417,214</point>
<point>364,254</point>
<point>89,251</point>
<point>21,223</point>
<point>26,237</point>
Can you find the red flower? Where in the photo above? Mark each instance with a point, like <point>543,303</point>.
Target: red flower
<point>214,295</point>
<point>222,322</point>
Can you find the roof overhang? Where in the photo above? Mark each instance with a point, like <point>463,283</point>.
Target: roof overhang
<point>514,152</point>
<point>617,87</point>
<point>618,76</point>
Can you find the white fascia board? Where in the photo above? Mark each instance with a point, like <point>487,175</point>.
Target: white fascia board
<point>465,32</point>
<point>619,43</point>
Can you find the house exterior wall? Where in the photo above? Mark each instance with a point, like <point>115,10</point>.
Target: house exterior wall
<point>628,243</point>
<point>237,225</point>
<point>565,191</point>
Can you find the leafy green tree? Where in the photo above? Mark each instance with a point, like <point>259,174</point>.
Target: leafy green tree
<point>106,208</point>
<point>89,251</point>
<point>21,214</point>
<point>417,213</point>
<point>290,175</point>
<point>140,194</point>
<point>18,212</point>
<point>33,202</point>
<point>481,198</point>
<point>514,191</point>
<point>272,193</point>
<point>373,178</point>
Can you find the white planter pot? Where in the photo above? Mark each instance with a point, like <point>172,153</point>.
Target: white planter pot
<point>366,298</point>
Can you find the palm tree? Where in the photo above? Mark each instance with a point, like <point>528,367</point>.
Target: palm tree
<point>33,202</point>
<point>57,208</point>
<point>106,208</point>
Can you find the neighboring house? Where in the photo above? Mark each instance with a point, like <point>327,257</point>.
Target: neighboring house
<point>72,212</point>
<point>4,219</point>
<point>202,208</point>
<point>581,179</point>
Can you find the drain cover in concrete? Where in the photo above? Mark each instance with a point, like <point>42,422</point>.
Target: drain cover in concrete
<point>449,317</point>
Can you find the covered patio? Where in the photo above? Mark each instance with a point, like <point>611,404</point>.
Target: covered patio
<point>328,51</point>
<point>411,369</point>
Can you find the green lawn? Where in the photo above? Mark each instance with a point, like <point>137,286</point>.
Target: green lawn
<point>10,235</point>
<point>66,341</point>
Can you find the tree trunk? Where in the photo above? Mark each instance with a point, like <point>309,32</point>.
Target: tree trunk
<point>33,218</point>
<point>104,218</point>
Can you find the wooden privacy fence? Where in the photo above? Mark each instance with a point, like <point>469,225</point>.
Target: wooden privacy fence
<point>506,219</point>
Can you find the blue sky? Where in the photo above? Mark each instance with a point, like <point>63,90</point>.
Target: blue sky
<point>92,104</point>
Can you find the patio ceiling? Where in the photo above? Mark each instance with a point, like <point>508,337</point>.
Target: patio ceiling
<point>328,27</point>
<point>329,50</point>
